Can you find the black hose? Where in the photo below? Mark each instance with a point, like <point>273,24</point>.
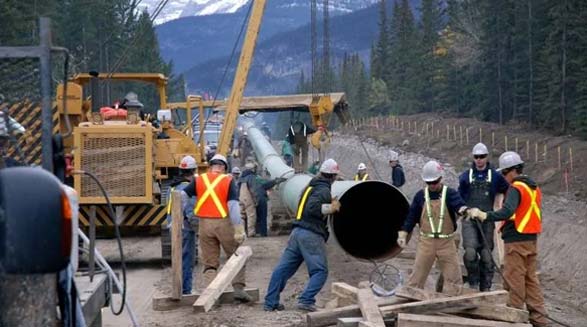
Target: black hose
<point>505,282</point>
<point>118,239</point>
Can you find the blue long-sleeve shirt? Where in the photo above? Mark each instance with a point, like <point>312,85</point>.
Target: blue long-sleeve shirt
<point>453,203</point>
<point>498,182</point>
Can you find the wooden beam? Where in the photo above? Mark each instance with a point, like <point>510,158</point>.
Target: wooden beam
<point>176,245</point>
<point>348,322</point>
<point>411,320</point>
<point>225,276</point>
<point>166,303</point>
<point>329,317</point>
<point>345,291</point>
<point>442,304</point>
<point>418,294</point>
<point>369,307</point>
<point>493,312</point>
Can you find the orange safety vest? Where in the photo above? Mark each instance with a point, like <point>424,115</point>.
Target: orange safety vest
<point>212,195</point>
<point>528,215</point>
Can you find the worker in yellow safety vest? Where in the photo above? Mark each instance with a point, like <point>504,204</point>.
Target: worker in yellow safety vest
<point>362,173</point>
<point>522,222</point>
<point>220,225</point>
<point>436,209</point>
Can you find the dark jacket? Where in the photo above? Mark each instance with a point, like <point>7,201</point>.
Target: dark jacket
<point>257,185</point>
<point>299,129</point>
<point>398,179</point>
<point>498,183</point>
<point>312,217</point>
<point>453,204</point>
<point>509,234</point>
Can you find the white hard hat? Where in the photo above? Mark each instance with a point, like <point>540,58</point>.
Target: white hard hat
<point>480,149</point>
<point>509,159</point>
<point>393,156</point>
<point>329,167</point>
<point>432,171</point>
<point>219,158</point>
<point>188,162</point>
<point>236,170</point>
<point>362,166</point>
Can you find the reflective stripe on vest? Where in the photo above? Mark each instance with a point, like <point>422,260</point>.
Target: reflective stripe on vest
<point>435,231</point>
<point>169,200</point>
<point>528,216</point>
<point>209,204</point>
<point>471,179</point>
<point>362,179</point>
<point>303,203</point>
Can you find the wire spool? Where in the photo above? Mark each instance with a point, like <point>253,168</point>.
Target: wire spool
<point>385,279</point>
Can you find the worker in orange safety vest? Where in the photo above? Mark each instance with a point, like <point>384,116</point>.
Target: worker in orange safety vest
<point>522,216</point>
<point>220,225</point>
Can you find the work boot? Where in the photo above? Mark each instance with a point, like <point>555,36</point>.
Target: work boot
<point>279,307</point>
<point>240,295</point>
<point>307,307</point>
<point>209,275</point>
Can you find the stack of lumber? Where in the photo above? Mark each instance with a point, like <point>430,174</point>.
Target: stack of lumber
<point>411,307</point>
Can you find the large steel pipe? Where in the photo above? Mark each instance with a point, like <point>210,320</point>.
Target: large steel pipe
<point>371,214</point>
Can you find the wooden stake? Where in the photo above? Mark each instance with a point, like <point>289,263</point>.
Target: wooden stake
<point>176,245</point>
<point>447,133</point>
<point>516,144</point>
<point>480,135</point>
<point>528,149</point>
<point>492,139</point>
<point>438,134</point>
<point>571,157</point>
<point>506,142</point>
<point>461,134</point>
<point>545,152</point>
<point>467,136</point>
<point>559,157</point>
<point>454,132</point>
<point>416,127</point>
<point>225,276</point>
<point>536,152</point>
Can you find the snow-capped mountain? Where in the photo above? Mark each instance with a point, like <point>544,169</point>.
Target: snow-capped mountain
<point>186,8</point>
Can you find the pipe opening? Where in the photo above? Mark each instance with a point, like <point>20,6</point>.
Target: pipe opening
<point>372,214</point>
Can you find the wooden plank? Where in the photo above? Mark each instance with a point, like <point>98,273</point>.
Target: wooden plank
<point>492,312</point>
<point>176,245</point>
<point>348,322</point>
<point>369,307</point>
<point>412,320</point>
<point>330,317</point>
<point>418,294</point>
<point>166,303</point>
<point>345,291</point>
<point>442,304</point>
<point>225,276</point>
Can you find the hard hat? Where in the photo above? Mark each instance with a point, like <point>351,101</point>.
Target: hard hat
<point>329,167</point>
<point>132,100</point>
<point>509,159</point>
<point>362,166</point>
<point>188,162</point>
<point>480,149</point>
<point>218,158</point>
<point>393,156</point>
<point>432,171</point>
<point>236,170</point>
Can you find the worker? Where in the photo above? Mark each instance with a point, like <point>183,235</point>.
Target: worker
<point>479,186</point>
<point>257,187</point>
<point>220,222</point>
<point>265,129</point>
<point>307,242</point>
<point>362,173</point>
<point>398,178</point>
<point>522,222</point>
<point>245,148</point>
<point>187,168</point>
<point>430,209</point>
<point>236,173</point>
<point>131,102</point>
<point>247,198</point>
<point>287,152</point>
<point>298,137</point>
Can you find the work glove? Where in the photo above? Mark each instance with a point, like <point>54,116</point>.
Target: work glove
<point>477,214</point>
<point>239,233</point>
<point>402,238</point>
<point>463,211</point>
<point>335,205</point>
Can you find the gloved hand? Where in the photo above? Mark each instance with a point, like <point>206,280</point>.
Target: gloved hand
<point>463,212</point>
<point>239,233</point>
<point>477,214</point>
<point>402,238</point>
<point>335,205</point>
<point>280,180</point>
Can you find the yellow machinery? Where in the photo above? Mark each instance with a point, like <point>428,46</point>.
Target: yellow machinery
<point>127,156</point>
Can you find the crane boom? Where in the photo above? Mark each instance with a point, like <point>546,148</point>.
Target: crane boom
<point>240,78</point>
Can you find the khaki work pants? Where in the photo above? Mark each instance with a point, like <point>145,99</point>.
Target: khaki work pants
<point>445,251</point>
<point>524,286</point>
<point>216,233</point>
<point>248,209</point>
<point>300,152</point>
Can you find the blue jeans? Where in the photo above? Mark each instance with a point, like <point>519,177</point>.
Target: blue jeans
<point>261,224</point>
<point>187,259</point>
<point>303,246</point>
